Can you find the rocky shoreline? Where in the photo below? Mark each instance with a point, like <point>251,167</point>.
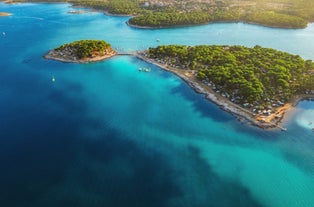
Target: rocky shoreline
<point>69,58</point>
<point>273,120</point>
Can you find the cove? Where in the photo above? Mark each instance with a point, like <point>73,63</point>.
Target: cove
<point>104,134</point>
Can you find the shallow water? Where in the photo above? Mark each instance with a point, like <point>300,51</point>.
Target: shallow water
<point>105,134</point>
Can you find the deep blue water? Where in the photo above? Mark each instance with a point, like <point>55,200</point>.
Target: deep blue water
<point>104,134</point>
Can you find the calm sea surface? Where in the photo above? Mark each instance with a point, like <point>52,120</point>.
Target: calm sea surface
<point>104,134</point>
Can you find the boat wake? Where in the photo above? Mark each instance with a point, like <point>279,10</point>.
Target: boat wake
<point>27,17</point>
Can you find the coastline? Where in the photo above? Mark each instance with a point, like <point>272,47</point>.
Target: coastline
<point>294,102</point>
<point>106,12</point>
<point>52,55</point>
<point>271,121</point>
<point>274,26</point>
<point>166,27</point>
<point>274,120</point>
<point>211,22</point>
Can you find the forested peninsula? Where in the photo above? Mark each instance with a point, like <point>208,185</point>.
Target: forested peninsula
<point>261,81</point>
<point>82,51</point>
<point>169,13</point>
<point>176,18</point>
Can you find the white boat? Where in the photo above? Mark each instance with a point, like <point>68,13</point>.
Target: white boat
<point>144,69</point>
<point>3,33</point>
<point>53,79</point>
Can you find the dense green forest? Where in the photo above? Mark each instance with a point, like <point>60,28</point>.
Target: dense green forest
<point>152,13</point>
<point>272,19</point>
<point>259,76</point>
<point>86,48</point>
<point>167,19</point>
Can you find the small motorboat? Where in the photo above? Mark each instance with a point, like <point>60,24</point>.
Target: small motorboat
<point>53,79</point>
<point>144,69</point>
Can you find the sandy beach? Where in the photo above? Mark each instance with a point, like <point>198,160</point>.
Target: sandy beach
<point>273,120</point>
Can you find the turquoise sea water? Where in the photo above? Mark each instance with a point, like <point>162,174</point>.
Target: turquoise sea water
<point>104,134</point>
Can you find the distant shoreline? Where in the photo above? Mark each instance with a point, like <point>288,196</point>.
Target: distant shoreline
<point>165,27</point>
<point>106,12</point>
<point>208,23</point>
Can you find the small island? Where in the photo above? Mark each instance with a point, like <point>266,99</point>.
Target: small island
<point>82,51</point>
<point>5,14</point>
<point>258,84</point>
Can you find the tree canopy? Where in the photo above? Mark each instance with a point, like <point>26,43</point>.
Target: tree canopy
<point>245,75</point>
<point>86,48</point>
<point>166,19</point>
<point>152,13</point>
